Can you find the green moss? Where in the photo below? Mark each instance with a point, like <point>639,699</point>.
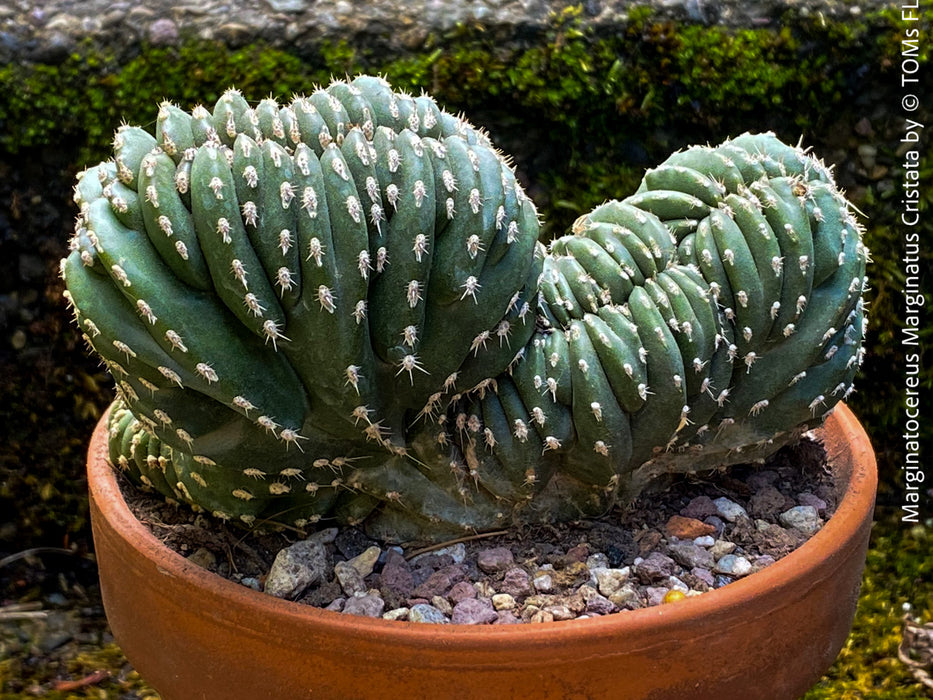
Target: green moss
<point>898,571</point>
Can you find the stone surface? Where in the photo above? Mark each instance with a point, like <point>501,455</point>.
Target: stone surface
<point>656,567</point>
<point>687,528</point>
<point>809,499</point>
<point>441,581</point>
<point>365,562</point>
<point>396,577</point>
<point>609,581</point>
<point>803,518</point>
<point>516,582</point>
<point>699,507</point>
<point>690,555</point>
<point>163,32</point>
<point>349,578</point>
<point>296,567</point>
<point>474,611</point>
<point>729,510</point>
<point>543,582</point>
<point>368,605</point>
<point>494,560</point>
<point>766,502</point>
<point>733,565</point>
<point>461,591</point>
<point>425,613</point>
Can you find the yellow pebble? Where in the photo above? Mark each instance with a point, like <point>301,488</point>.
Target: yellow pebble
<point>674,595</point>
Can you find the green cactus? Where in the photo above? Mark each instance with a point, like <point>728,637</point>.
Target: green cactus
<point>339,308</point>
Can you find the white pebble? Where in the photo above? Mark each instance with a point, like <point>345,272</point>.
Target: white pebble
<point>733,565</point>
<point>730,510</point>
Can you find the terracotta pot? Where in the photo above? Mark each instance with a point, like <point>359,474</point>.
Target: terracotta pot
<point>193,635</point>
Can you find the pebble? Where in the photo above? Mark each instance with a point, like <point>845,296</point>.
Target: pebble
<point>802,518</point>
<point>766,502</point>
<point>655,594</point>
<point>507,617</point>
<point>626,597</point>
<point>351,542</point>
<point>655,567</point>
<point>494,560</point>
<point>729,510</point>
<point>474,611</point>
<point>596,602</point>
<point>203,557</point>
<point>560,612</point>
<point>684,528</point>
<point>543,582</point>
<point>503,601</point>
<point>705,541</point>
<point>608,581</point>
<point>721,547</point>
<point>296,567</point>
<point>484,589</point>
<point>809,499</point>
<point>704,575</point>
<point>442,604</point>
<point>163,32</point>
<point>396,614</point>
<point>288,5</point>
<point>456,552</point>
<point>733,565</point>
<point>441,581</point>
<point>699,508</point>
<point>349,578</point>
<point>461,591</point>
<point>763,561</point>
<point>365,562</point>
<point>422,612</point>
<point>396,577</point>
<point>690,555</point>
<point>516,582</point>
<point>717,523</point>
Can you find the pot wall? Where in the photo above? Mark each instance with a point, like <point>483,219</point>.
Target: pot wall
<point>194,635</point>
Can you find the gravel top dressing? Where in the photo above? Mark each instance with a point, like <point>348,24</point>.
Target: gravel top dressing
<point>702,533</point>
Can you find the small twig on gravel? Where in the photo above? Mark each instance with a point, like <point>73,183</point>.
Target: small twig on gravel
<point>15,616</point>
<point>90,679</point>
<point>448,543</point>
<point>22,611</point>
<point>32,552</point>
<point>22,607</point>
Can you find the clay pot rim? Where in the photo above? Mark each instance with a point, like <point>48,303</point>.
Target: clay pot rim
<point>843,436</point>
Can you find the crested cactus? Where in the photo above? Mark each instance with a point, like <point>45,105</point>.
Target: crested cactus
<point>339,308</point>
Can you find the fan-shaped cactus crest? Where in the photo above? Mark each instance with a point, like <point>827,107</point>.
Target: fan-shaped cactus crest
<point>339,308</point>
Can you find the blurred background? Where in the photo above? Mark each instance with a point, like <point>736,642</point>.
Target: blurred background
<point>583,96</point>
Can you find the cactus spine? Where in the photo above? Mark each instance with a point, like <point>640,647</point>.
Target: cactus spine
<point>339,308</point>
